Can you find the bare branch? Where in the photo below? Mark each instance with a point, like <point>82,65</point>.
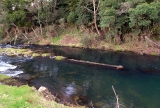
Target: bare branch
<point>117,105</point>
<point>34,32</point>
<point>91,11</point>
<point>92,104</point>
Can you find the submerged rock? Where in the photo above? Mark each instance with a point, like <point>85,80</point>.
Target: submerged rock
<point>25,76</point>
<point>151,70</point>
<point>70,90</point>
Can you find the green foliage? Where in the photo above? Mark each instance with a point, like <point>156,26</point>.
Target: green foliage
<point>84,16</point>
<point>117,17</point>
<point>144,14</point>
<point>137,16</point>
<point>71,17</point>
<point>71,4</point>
<point>113,18</point>
<point>15,12</point>
<point>107,18</point>
<point>17,17</point>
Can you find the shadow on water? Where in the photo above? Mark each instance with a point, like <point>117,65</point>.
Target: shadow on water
<point>138,87</point>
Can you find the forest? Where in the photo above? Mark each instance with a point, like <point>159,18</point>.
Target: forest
<point>116,21</point>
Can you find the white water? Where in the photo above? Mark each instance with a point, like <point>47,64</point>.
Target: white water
<point>7,68</point>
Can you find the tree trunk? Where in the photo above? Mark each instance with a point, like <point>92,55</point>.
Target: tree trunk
<point>40,25</point>
<point>55,4</point>
<point>95,17</point>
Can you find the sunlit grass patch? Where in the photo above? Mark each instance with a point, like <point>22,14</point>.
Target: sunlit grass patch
<point>56,39</point>
<point>35,54</point>
<point>3,77</point>
<point>46,54</point>
<point>25,97</point>
<point>60,58</point>
<point>17,97</point>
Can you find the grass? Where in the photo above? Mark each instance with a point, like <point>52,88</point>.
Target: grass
<point>154,54</point>
<point>35,55</point>
<point>59,58</point>
<point>24,97</point>
<point>56,39</point>
<point>7,80</point>
<point>24,52</point>
<point>45,54</point>
<point>118,48</point>
<point>3,77</point>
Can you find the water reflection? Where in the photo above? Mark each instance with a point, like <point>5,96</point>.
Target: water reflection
<point>43,66</point>
<point>81,83</point>
<point>71,89</point>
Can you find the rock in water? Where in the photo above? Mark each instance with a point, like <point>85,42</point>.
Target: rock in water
<point>46,93</point>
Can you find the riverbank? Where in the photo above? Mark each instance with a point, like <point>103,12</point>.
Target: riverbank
<point>74,37</point>
<point>16,95</point>
<point>142,48</point>
<point>84,38</point>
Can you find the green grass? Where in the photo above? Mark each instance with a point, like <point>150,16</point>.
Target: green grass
<point>118,48</point>
<point>7,80</point>
<point>59,58</point>
<point>18,97</point>
<point>56,39</point>
<point>154,54</point>
<point>3,77</point>
<point>45,54</point>
<point>35,54</point>
<point>24,97</point>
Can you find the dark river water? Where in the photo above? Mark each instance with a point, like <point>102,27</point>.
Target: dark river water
<point>137,87</point>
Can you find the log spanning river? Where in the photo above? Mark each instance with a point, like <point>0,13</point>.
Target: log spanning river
<point>138,86</point>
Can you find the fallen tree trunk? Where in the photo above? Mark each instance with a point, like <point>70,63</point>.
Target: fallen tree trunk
<point>118,67</point>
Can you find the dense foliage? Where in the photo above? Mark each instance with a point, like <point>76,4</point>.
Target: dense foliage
<point>110,19</point>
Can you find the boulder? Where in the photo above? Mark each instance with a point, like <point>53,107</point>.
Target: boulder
<point>47,95</point>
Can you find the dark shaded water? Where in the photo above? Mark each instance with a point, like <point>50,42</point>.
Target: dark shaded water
<point>138,86</point>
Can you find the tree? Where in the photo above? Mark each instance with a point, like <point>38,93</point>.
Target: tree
<point>144,15</point>
<point>95,9</point>
<point>87,13</point>
<point>16,12</point>
<point>114,18</point>
<point>84,13</point>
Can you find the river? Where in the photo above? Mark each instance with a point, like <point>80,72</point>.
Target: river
<point>137,87</point>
